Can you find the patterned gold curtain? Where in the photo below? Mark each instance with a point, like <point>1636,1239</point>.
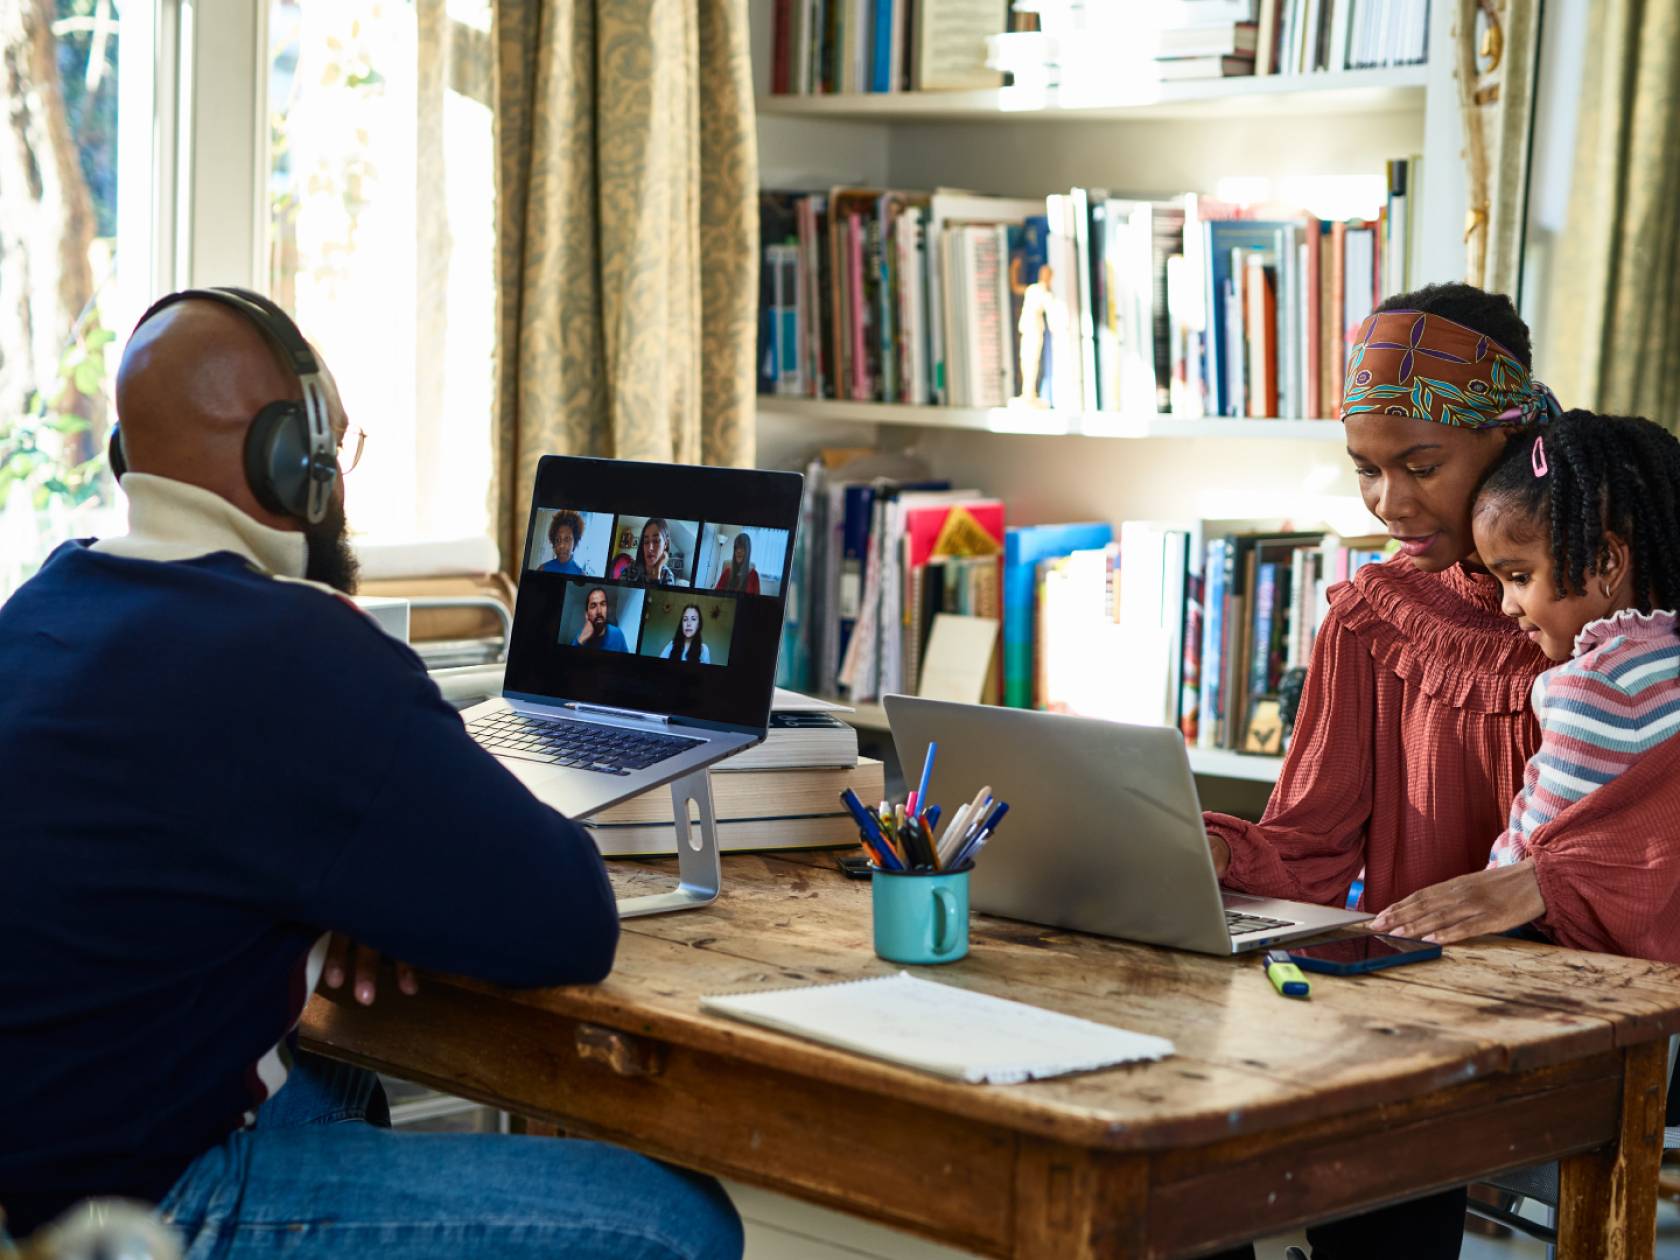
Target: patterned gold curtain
<point>627,173</point>
<point>1616,296</point>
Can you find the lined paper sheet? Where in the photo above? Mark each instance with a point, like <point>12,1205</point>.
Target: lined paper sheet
<point>941,1029</point>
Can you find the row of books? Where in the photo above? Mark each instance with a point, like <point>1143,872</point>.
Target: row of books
<point>1083,301</point>
<point>1194,625</point>
<point>1081,49</point>
<point>1310,36</point>
<point>898,556</point>
<point>1077,46</point>
<point>781,794</point>
<point>824,47</point>
<point>1209,620</point>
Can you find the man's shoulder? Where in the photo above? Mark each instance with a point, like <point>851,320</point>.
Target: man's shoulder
<point>222,597</point>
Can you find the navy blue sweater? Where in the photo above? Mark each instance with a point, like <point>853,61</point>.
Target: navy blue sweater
<point>203,770</point>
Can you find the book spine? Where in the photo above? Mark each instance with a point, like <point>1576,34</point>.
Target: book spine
<point>788,336</point>
<point>781,56</point>
<point>1338,311</point>
<point>1265,616</point>
<point>862,387</point>
<point>1190,675</point>
<point>1213,624</point>
<point>880,64</point>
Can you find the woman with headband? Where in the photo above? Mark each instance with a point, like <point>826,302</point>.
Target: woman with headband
<point>1414,727</point>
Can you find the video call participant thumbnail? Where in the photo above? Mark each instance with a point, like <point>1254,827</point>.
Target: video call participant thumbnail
<point>696,629</point>
<point>599,618</point>
<point>571,542</point>
<point>654,550</point>
<point>747,559</point>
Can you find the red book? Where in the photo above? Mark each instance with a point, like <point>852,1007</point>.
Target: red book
<point>1312,402</point>
<point>1338,310</point>
<point>781,59</point>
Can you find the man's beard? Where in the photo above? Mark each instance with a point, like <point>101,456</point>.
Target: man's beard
<point>598,636</point>
<point>331,561</point>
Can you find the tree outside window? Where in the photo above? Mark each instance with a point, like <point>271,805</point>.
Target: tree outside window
<point>58,214</point>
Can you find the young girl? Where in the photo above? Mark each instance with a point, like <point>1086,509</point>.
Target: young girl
<point>1581,525</point>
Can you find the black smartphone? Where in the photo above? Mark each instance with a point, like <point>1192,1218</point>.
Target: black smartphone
<point>1362,953</point>
<point>854,866</point>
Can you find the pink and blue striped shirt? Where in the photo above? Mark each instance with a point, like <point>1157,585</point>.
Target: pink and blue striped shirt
<point>1599,713</point>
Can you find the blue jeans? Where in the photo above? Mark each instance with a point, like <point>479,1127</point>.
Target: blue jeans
<point>314,1180</point>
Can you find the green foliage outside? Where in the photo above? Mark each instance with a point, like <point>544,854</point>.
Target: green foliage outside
<point>37,448</point>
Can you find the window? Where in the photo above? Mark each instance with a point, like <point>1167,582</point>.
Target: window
<point>66,201</point>
<point>381,241</point>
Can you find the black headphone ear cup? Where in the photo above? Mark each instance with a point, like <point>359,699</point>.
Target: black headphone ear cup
<point>277,459</point>
<point>114,453</point>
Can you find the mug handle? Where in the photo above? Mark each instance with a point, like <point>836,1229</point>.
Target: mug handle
<point>944,922</point>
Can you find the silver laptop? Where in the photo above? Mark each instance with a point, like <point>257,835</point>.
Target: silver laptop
<point>646,630</point>
<point>1104,832</point>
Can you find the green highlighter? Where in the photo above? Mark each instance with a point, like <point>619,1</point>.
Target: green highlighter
<point>1285,976</point>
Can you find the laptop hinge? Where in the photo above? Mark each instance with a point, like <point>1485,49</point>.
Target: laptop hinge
<point>609,711</point>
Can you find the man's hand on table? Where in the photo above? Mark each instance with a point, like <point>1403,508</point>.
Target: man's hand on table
<point>366,985</point>
<point>1478,904</point>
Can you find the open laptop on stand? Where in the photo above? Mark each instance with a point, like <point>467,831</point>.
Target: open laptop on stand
<point>1105,832</point>
<point>643,651</point>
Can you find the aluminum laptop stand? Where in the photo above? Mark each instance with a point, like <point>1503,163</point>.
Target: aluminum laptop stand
<point>699,871</point>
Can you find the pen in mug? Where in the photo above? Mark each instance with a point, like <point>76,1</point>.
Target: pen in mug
<point>920,798</point>
<point>951,841</point>
<point>995,817</point>
<point>965,814</point>
<point>870,832</point>
<point>970,851</point>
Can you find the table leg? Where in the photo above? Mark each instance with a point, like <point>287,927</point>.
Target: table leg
<point>1607,1198</point>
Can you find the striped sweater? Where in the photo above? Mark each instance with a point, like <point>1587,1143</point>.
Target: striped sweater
<point>1599,713</point>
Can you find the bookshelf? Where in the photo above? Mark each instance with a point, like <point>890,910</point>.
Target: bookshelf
<point>1215,763</point>
<point>1133,137</point>
<point>1350,92</point>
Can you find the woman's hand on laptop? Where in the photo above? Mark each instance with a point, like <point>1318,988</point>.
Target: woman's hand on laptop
<point>1478,904</point>
<point>366,985</point>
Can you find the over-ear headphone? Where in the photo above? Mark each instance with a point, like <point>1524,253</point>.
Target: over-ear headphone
<point>291,457</point>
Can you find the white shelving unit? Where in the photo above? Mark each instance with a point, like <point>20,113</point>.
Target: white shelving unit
<point>1049,423</point>
<point>1133,138</point>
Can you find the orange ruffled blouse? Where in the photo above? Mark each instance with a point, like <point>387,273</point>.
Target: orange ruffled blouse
<point>1409,745</point>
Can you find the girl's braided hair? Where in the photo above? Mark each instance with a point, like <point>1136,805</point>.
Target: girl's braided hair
<point>1587,474</point>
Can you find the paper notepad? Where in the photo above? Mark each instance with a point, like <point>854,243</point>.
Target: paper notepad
<point>941,1029</point>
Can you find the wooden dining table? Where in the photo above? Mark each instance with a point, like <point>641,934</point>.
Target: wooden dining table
<point>1270,1114</point>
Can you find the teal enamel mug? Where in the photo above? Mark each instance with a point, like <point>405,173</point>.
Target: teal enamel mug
<point>921,916</point>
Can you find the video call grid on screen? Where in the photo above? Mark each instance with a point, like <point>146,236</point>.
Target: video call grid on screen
<point>660,601</point>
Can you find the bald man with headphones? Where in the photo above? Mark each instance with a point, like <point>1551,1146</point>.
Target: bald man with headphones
<point>216,762</point>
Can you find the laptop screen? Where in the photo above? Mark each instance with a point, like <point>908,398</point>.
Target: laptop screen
<point>655,587</point>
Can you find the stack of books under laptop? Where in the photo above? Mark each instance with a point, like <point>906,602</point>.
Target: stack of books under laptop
<point>783,794</point>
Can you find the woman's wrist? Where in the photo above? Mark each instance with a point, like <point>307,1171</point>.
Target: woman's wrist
<point>1221,853</point>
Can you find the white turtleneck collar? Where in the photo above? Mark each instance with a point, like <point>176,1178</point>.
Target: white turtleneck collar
<point>170,520</point>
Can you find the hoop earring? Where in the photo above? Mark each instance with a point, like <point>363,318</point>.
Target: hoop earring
<point>1604,589</point>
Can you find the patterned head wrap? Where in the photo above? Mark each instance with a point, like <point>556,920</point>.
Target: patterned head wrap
<point>1411,363</point>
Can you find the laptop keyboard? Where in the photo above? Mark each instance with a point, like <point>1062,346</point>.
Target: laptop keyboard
<point>1240,924</point>
<point>576,745</point>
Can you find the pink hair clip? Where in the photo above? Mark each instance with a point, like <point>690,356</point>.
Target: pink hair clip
<point>1541,468</point>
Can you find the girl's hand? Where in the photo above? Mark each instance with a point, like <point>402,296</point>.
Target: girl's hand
<point>1478,904</point>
